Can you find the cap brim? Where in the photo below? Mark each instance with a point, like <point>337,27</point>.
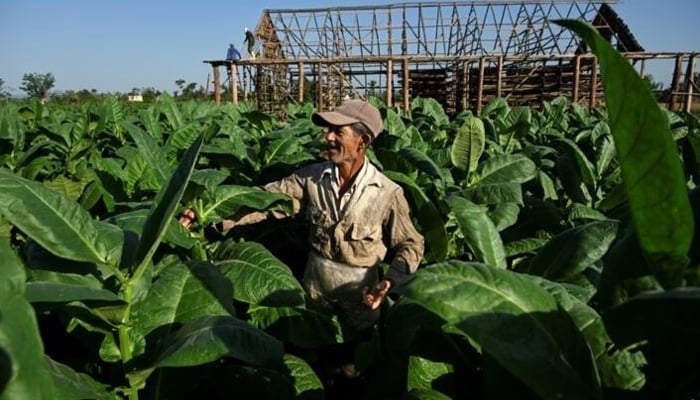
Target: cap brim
<point>332,118</point>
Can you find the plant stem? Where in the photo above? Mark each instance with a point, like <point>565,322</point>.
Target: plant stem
<point>124,338</point>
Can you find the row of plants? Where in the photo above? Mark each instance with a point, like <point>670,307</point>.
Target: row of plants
<point>561,257</point>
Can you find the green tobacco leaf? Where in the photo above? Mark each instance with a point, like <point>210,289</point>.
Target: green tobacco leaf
<point>574,250</point>
<point>507,168</point>
<point>209,338</point>
<point>586,169</point>
<point>71,385</point>
<point>181,293</point>
<point>479,231</point>
<point>150,150</point>
<point>494,193</point>
<point>428,216</point>
<point>504,215</point>
<point>667,320</point>
<point>134,220</point>
<point>514,320</point>
<point>57,223</point>
<point>423,372</point>
<point>224,201</point>
<point>24,375</point>
<point>306,383</point>
<point>619,368</point>
<point>54,292</point>
<point>310,327</point>
<point>651,168</point>
<point>469,144</point>
<point>258,277</point>
<point>425,164</point>
<point>165,206</point>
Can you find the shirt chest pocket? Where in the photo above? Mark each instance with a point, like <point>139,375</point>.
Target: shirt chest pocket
<point>364,239</point>
<point>320,223</point>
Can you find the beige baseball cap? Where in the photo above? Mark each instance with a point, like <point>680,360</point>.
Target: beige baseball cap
<point>350,112</point>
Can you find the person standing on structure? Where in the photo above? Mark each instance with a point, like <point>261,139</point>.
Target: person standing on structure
<point>232,54</point>
<point>250,40</point>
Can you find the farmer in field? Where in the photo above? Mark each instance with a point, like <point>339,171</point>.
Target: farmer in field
<point>250,40</point>
<point>356,215</point>
<point>232,54</point>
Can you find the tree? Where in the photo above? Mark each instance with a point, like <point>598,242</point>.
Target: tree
<point>37,85</point>
<point>4,94</point>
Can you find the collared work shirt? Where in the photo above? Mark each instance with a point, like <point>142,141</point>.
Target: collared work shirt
<point>358,227</point>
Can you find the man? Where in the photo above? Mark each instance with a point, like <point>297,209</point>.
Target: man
<point>356,215</point>
<point>250,40</point>
<point>232,54</point>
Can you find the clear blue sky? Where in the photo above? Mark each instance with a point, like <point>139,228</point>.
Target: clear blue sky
<point>114,46</point>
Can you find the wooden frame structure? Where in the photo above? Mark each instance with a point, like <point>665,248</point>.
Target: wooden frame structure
<point>461,53</point>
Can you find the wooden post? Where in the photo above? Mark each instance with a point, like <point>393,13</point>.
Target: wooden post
<point>676,83</point>
<point>217,85</point>
<point>480,89</point>
<point>594,81</point>
<point>233,78</point>
<point>206,88</point>
<point>246,77</point>
<point>389,82</point>
<point>319,86</point>
<point>499,78</point>
<point>300,65</point>
<point>465,88</point>
<point>406,78</point>
<point>577,77</point>
<point>689,74</point>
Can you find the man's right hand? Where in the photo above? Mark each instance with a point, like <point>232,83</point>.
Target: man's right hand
<point>187,219</point>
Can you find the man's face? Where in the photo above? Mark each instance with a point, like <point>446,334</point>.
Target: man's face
<point>344,145</point>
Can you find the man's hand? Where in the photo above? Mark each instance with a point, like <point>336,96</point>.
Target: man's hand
<point>187,218</point>
<point>373,298</point>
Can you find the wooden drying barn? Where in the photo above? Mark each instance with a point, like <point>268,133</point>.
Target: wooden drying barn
<point>463,54</point>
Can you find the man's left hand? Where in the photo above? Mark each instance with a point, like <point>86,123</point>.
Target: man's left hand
<point>373,298</point>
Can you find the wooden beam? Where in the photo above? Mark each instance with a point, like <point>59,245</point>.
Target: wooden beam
<point>217,85</point>
<point>577,78</point>
<point>319,86</point>
<point>676,82</point>
<point>233,78</point>
<point>406,84</point>
<point>301,78</point>
<point>389,82</point>
<point>689,74</point>
<point>594,81</point>
<point>499,76</point>
<point>480,88</point>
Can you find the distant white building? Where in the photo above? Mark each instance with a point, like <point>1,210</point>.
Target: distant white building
<point>135,97</point>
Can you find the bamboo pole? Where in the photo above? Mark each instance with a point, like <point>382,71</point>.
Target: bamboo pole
<point>499,76</point>
<point>465,88</point>
<point>594,81</point>
<point>676,82</point>
<point>480,88</point>
<point>689,74</point>
<point>301,82</point>
<point>319,86</point>
<point>233,78</point>
<point>577,77</point>
<point>217,85</point>
<point>406,85</point>
<point>389,83</point>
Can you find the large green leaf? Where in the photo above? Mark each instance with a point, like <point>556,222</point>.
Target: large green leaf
<point>428,216</point>
<point>54,292</point>
<point>618,368</point>
<point>468,144</point>
<point>209,338</point>
<point>181,293</point>
<point>422,372</point>
<point>225,200</point>
<point>586,170</point>
<point>155,155</point>
<point>514,320</point>
<point>71,385</point>
<point>479,231</point>
<point>425,164</point>
<point>258,277</point>
<point>507,168</point>
<point>165,206</point>
<point>310,327</point>
<point>494,193</point>
<point>23,374</point>
<point>306,383</point>
<point>651,168</point>
<point>574,250</point>
<point>57,223</point>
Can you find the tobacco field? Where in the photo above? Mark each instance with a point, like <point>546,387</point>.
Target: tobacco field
<point>562,260</point>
